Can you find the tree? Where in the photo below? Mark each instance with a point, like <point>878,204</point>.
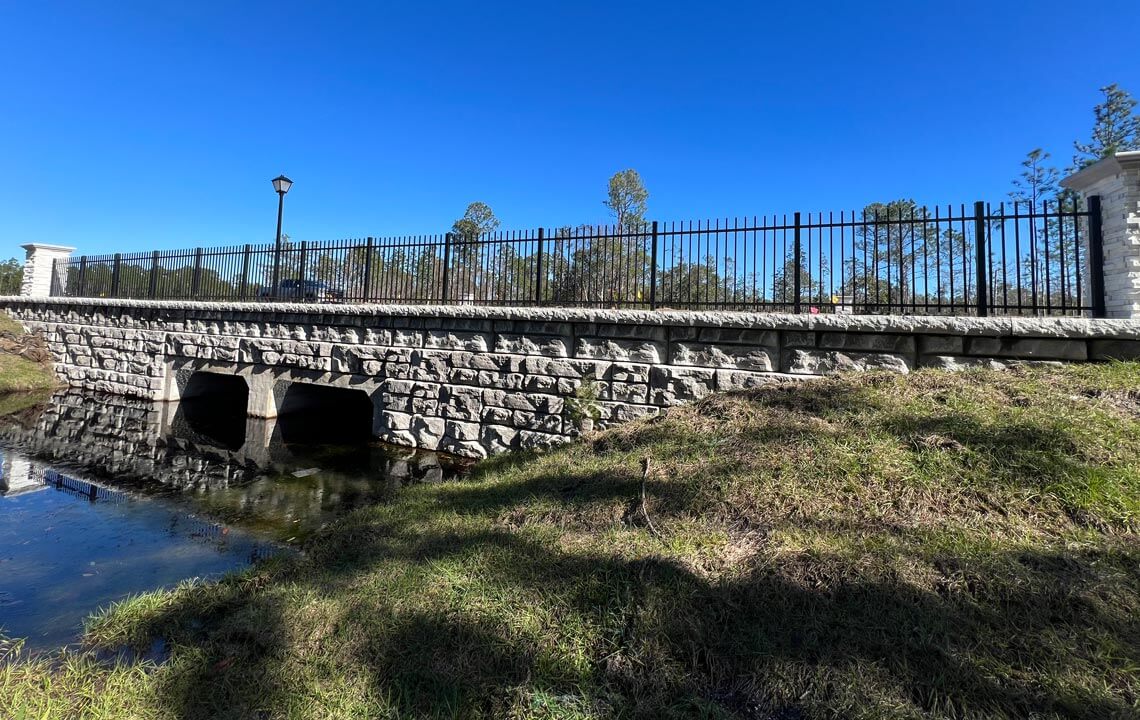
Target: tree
<point>11,275</point>
<point>479,220</point>
<point>1036,185</point>
<point>811,287</point>
<point>694,283</point>
<point>606,265</point>
<point>1117,128</point>
<point>891,241</point>
<point>628,199</point>
<point>1037,181</point>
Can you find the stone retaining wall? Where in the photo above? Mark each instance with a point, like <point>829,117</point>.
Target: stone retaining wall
<point>475,380</point>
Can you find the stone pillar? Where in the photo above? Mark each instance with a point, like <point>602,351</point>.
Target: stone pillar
<point>1116,179</point>
<point>38,270</point>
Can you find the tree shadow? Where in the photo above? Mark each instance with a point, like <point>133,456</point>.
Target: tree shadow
<point>665,641</point>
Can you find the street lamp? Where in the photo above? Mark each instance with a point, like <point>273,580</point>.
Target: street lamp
<point>281,184</point>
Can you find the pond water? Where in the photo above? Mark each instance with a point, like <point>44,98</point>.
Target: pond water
<point>104,497</point>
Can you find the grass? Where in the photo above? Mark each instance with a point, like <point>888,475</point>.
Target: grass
<point>940,545</point>
<point>17,374</point>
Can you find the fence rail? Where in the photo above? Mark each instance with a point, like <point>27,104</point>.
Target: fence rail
<point>1008,258</point>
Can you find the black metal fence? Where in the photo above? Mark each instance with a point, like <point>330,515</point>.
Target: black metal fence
<point>1009,258</point>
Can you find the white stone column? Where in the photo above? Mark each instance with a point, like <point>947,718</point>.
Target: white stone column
<point>1116,179</point>
<point>38,270</point>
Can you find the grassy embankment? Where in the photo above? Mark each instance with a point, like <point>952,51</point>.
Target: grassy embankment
<point>938,545</point>
<point>19,374</point>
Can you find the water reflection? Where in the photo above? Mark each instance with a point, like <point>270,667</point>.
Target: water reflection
<point>104,496</point>
<point>253,477</point>
<point>71,546</point>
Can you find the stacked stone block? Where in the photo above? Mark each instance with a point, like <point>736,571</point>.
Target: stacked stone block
<point>1116,180</point>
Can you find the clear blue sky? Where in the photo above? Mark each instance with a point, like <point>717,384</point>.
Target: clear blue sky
<point>129,125</point>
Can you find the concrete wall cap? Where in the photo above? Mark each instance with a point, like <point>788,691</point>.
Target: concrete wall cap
<point>1101,169</point>
<point>1071,327</point>
<point>44,246</point>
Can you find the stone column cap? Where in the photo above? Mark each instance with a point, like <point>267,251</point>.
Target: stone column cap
<point>46,246</point>
<point>1101,169</point>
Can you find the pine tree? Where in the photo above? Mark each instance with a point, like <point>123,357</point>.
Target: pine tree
<point>1036,186</point>
<point>477,222</point>
<point>1117,128</point>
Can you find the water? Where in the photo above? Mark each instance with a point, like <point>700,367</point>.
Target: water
<point>104,497</point>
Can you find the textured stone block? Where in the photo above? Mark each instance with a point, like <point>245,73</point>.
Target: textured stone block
<point>496,415</point>
<point>731,380</point>
<point>532,345</point>
<point>536,421</point>
<point>532,440</point>
<point>453,340</point>
<point>1027,348</point>
<point>428,431</point>
<point>1114,350</point>
<point>866,342</point>
<point>462,431</point>
<point>629,372</point>
<point>619,412</point>
<point>672,386</point>
<point>644,351</point>
<point>734,356</point>
<point>961,362</point>
<point>629,331</point>
<point>390,420</point>
<point>941,345</point>
<point>629,392</point>
<point>498,438</point>
<point>826,362</point>
<point>798,339</point>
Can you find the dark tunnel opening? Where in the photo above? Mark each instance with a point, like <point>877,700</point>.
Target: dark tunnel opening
<point>321,414</point>
<point>214,406</point>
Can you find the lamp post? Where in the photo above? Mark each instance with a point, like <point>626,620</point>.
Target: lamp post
<point>281,184</point>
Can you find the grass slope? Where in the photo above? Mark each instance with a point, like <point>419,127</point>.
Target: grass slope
<point>19,374</point>
<point>933,546</point>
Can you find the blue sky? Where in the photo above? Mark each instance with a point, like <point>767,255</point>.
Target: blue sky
<point>134,125</point>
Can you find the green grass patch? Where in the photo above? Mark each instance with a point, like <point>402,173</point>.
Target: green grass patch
<point>939,545</point>
<point>18,374</point>
<point>9,326</point>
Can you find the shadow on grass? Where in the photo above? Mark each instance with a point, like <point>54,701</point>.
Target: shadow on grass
<point>661,641</point>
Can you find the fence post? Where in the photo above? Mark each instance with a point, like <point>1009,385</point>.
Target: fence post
<point>276,276</point>
<point>798,260</point>
<point>81,285</point>
<point>1096,258</point>
<point>982,247</point>
<point>366,293</point>
<point>304,262</point>
<point>653,269</point>
<point>446,267</point>
<point>538,271</point>
<point>115,275</point>
<point>152,285</point>
<point>196,278</point>
<point>243,289</point>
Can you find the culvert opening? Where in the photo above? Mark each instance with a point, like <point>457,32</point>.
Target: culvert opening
<point>320,414</point>
<point>214,405</point>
